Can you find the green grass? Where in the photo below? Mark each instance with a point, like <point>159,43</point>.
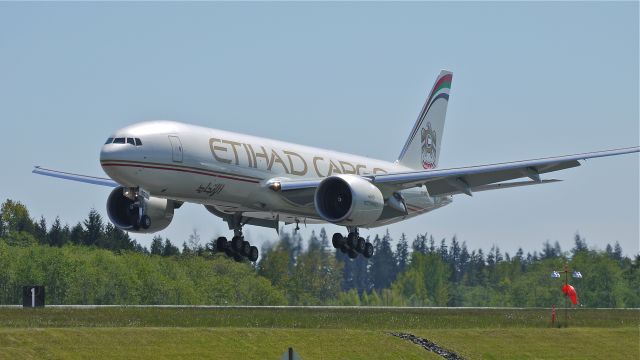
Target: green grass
<point>571,343</point>
<point>315,333</point>
<point>311,318</point>
<point>201,343</point>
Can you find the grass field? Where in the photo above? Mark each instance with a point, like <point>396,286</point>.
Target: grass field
<point>316,333</point>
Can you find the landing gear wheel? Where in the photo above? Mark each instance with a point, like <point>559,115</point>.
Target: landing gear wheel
<point>253,254</point>
<point>237,257</point>
<point>229,252</point>
<point>368,250</point>
<point>353,254</point>
<point>352,240</point>
<point>361,245</point>
<point>221,243</point>
<point>246,248</point>
<point>236,243</point>
<point>337,240</point>
<point>145,222</point>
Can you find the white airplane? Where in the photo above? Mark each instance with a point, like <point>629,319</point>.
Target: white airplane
<point>155,167</point>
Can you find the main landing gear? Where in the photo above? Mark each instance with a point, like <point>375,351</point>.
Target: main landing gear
<point>238,248</point>
<point>352,244</point>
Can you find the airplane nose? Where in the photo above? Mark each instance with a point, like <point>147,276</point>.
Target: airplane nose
<point>112,154</point>
<point>108,152</point>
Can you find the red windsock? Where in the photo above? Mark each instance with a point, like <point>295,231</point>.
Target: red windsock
<point>571,293</point>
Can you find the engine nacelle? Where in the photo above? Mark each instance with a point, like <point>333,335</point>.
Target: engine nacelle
<point>348,200</point>
<point>124,212</point>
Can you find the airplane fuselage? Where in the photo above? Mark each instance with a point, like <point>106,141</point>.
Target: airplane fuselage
<point>230,171</point>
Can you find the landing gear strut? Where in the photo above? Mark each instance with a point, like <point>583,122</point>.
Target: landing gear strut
<point>352,244</point>
<point>238,248</point>
<point>137,213</point>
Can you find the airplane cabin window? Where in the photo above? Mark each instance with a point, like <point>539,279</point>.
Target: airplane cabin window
<point>109,141</point>
<point>130,141</point>
<point>118,141</point>
<point>138,142</point>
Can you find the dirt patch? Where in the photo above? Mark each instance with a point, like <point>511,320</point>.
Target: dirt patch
<point>429,346</point>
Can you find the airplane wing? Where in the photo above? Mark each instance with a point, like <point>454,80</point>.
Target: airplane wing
<point>462,180</point>
<point>75,177</point>
<point>465,179</point>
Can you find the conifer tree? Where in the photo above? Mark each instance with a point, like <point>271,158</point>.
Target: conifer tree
<point>57,235</point>
<point>383,267</point>
<point>402,253</point>
<point>93,228</point>
<point>156,245</point>
<point>40,230</point>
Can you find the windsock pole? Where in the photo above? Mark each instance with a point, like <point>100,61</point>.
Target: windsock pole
<point>566,296</point>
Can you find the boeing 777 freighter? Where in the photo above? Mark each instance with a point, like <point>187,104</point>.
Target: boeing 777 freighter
<point>155,167</point>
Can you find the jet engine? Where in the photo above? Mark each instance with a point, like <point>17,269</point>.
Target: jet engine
<point>134,213</point>
<point>348,200</point>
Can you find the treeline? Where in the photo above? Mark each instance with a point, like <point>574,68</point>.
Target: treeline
<point>96,263</point>
<point>425,273</point>
<point>18,228</point>
<point>87,275</point>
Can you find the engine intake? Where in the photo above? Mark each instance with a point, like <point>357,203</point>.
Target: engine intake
<point>348,200</point>
<point>125,213</point>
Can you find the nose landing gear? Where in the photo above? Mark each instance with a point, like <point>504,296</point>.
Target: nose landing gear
<point>137,211</point>
<point>352,244</point>
<point>145,222</point>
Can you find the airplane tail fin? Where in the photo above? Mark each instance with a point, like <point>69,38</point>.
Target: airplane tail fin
<point>422,149</point>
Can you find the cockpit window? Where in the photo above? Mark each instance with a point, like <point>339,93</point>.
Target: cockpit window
<point>119,140</point>
<point>131,141</point>
<point>109,141</point>
<point>138,142</point>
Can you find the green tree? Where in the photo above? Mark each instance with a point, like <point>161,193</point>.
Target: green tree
<point>14,216</point>
<point>193,243</point>
<point>402,253</point>
<point>77,234</point>
<point>274,265</point>
<point>420,244</point>
<point>156,245</point>
<point>425,282</point>
<point>602,284</point>
<point>94,227</point>
<point>617,251</point>
<point>57,235</point>
<point>355,272</point>
<point>113,238</point>
<point>383,268</point>
<point>580,245</point>
<point>40,230</point>
<point>315,279</point>
<point>169,249</point>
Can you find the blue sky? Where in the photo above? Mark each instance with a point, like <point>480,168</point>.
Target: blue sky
<point>530,80</point>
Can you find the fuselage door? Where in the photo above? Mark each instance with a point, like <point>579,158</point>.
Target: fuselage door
<point>176,148</point>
